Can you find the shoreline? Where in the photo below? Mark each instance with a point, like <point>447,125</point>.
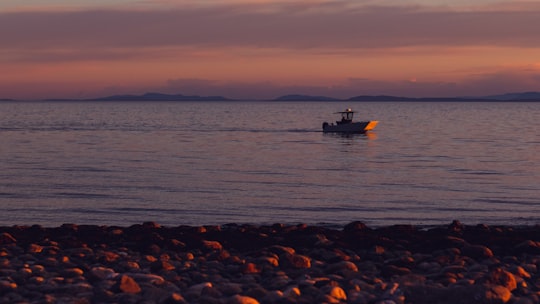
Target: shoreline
<point>242,263</point>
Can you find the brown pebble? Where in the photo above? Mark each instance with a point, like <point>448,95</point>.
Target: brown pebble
<point>520,271</point>
<point>238,299</point>
<point>278,249</point>
<point>272,261</point>
<point>128,285</point>
<point>497,294</point>
<point>212,245</point>
<point>34,248</point>
<point>502,277</point>
<point>292,292</point>
<point>337,292</point>
<point>299,261</point>
<point>342,266</point>
<point>6,286</point>
<point>250,268</point>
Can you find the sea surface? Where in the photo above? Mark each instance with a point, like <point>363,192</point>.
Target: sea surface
<point>195,163</point>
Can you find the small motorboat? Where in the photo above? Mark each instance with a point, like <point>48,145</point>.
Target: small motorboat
<point>346,125</point>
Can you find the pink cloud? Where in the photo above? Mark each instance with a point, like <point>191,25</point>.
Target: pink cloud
<point>265,50</point>
<point>292,26</point>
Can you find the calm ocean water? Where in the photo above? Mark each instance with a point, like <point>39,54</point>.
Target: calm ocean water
<point>121,163</point>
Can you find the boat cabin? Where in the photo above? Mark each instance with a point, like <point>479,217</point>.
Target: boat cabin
<point>346,117</point>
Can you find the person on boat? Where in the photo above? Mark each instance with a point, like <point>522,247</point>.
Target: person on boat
<point>346,117</point>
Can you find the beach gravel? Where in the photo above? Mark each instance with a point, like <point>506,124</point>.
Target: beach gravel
<point>241,263</point>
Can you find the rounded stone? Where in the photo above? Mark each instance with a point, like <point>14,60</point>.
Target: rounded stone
<point>238,299</point>
<point>478,252</point>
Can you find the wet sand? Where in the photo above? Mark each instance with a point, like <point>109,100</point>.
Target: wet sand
<point>233,263</point>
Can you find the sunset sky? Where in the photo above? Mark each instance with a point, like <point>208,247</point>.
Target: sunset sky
<point>264,49</point>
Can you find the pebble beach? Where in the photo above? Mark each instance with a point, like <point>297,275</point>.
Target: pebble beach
<point>234,263</point>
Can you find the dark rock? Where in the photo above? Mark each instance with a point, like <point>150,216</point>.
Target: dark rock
<point>354,227</point>
<point>502,277</point>
<point>477,252</point>
<point>528,247</point>
<point>391,270</point>
<point>173,298</point>
<point>6,238</point>
<point>456,227</point>
<point>158,266</point>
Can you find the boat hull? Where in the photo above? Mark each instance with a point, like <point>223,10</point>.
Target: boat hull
<point>355,127</point>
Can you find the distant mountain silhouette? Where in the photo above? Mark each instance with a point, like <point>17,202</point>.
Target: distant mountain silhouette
<point>298,97</point>
<point>526,96</point>
<point>400,98</point>
<point>160,97</point>
<point>516,96</point>
<point>523,96</point>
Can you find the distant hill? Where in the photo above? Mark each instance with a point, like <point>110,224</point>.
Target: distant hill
<point>297,97</point>
<point>523,96</point>
<point>160,97</point>
<point>380,98</point>
<point>515,96</point>
<point>399,98</point>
